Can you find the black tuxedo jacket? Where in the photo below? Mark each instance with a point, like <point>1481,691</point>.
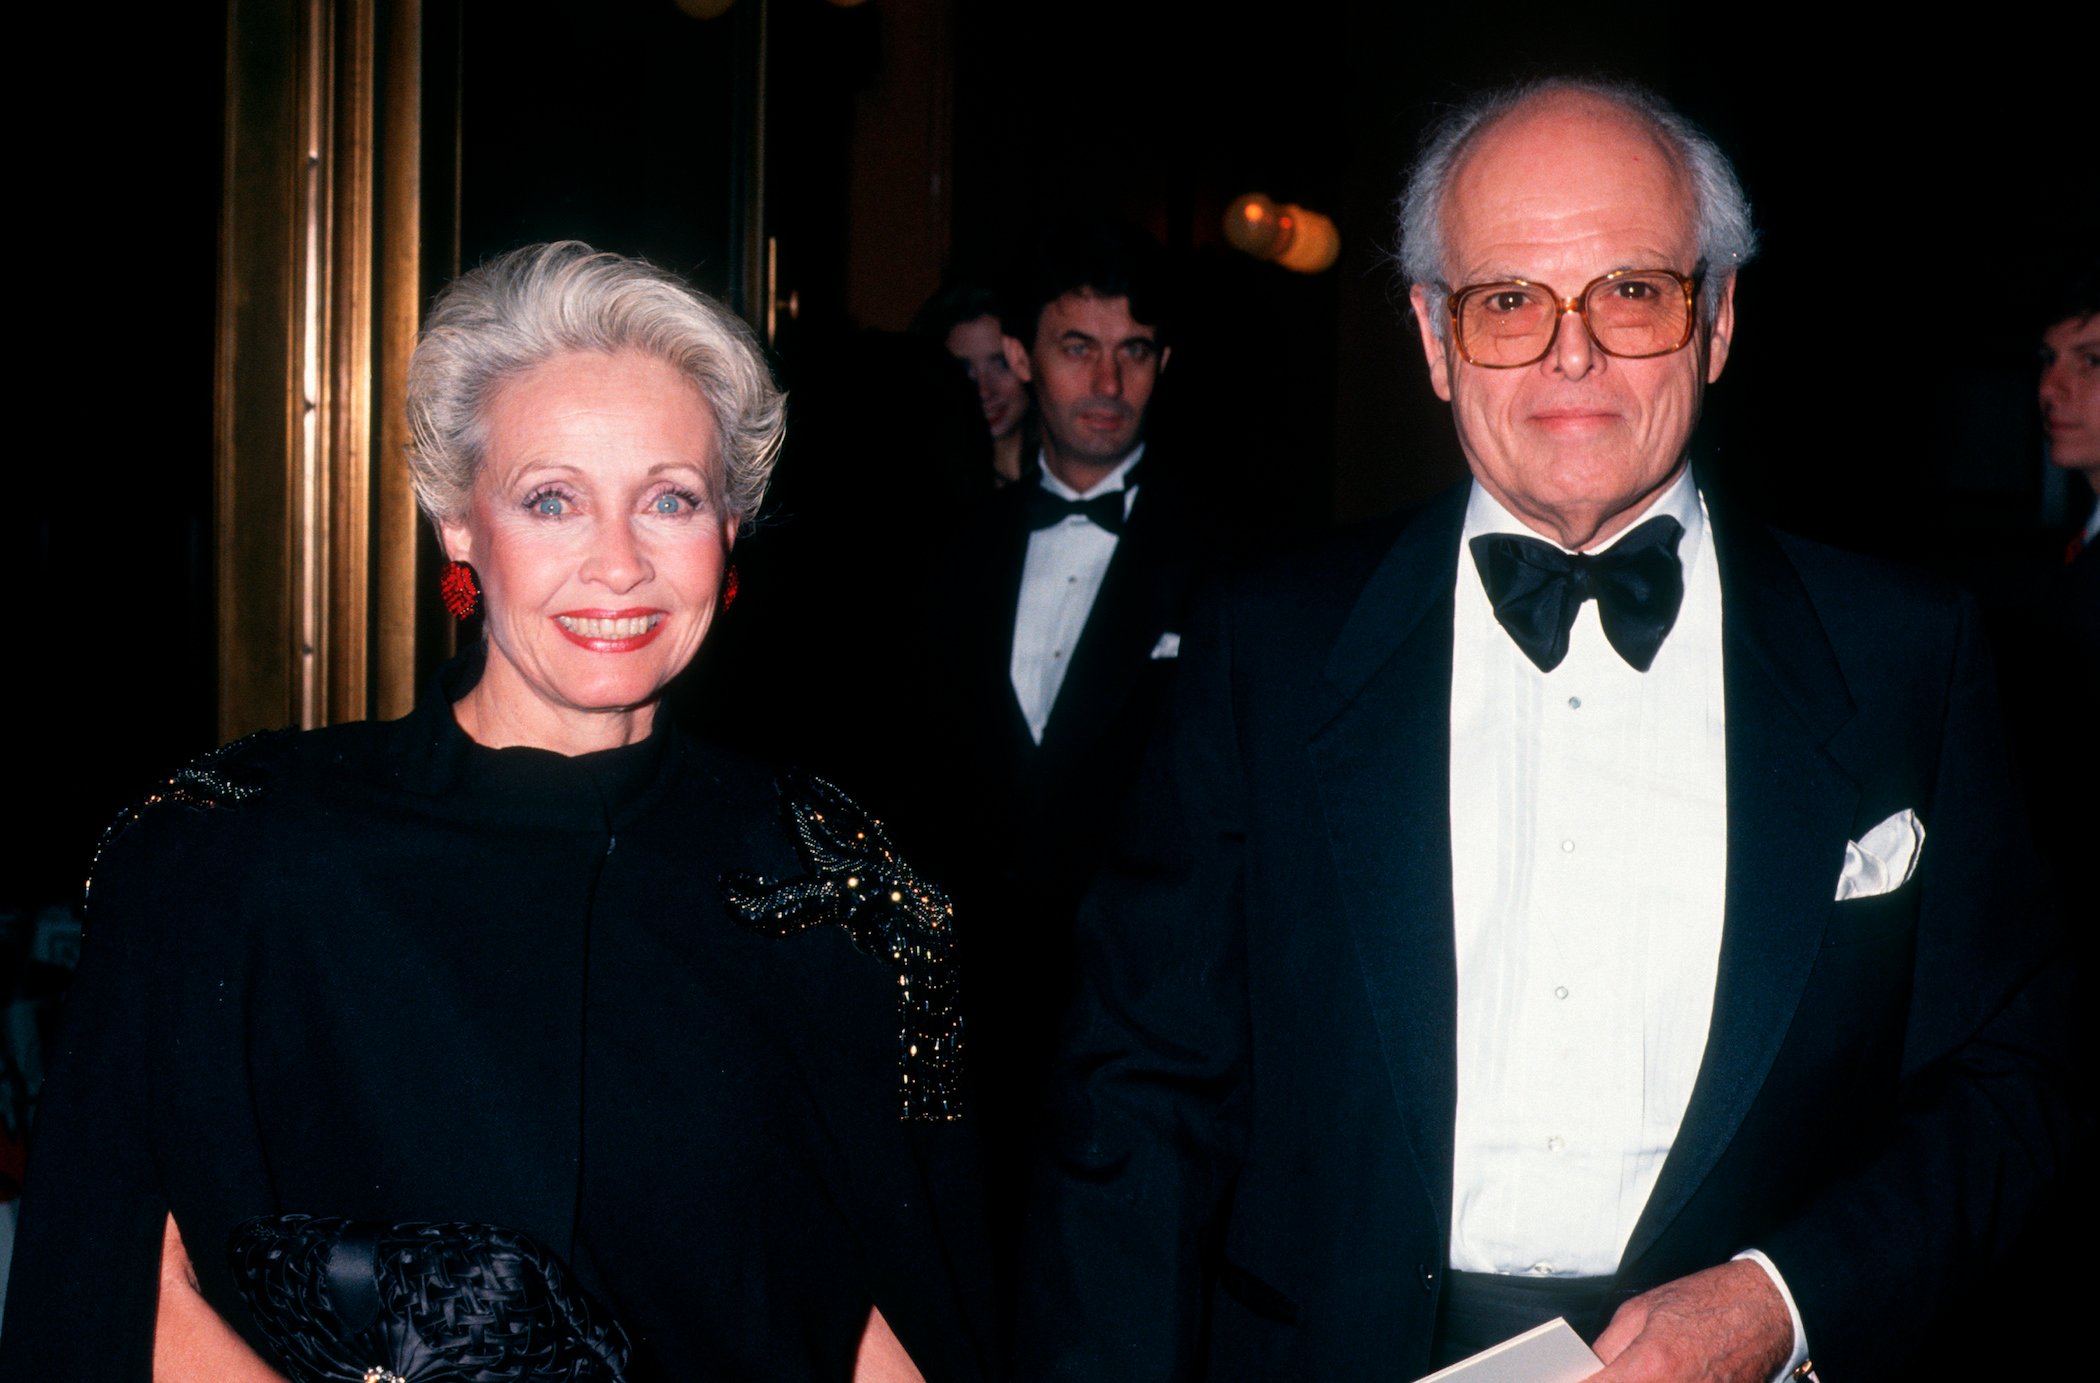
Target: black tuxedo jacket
<point>1251,1174</point>
<point>1016,829</point>
<point>1031,820</point>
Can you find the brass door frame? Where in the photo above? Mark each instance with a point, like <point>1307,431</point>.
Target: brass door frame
<point>320,284</point>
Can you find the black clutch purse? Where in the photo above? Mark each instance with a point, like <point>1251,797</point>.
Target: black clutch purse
<point>347,1302</point>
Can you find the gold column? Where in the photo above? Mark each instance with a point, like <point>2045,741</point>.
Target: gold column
<point>396,525</point>
<point>318,293</point>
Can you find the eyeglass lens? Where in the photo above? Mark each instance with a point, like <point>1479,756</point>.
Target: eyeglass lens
<point>1631,315</point>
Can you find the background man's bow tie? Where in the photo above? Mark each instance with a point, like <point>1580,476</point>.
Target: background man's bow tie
<point>1539,589</point>
<point>1046,509</point>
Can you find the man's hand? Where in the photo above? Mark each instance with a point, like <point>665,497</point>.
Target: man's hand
<point>1727,1324</point>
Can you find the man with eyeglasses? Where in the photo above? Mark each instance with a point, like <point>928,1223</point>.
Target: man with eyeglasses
<point>1529,911</point>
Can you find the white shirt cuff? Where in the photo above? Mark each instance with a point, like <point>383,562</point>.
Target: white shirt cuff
<point>1793,1314</point>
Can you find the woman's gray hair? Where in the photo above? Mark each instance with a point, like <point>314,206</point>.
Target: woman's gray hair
<point>525,307</point>
<point>1727,241</point>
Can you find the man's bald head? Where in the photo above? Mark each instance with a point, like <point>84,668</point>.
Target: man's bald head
<point>1720,211</point>
<point>1570,223</point>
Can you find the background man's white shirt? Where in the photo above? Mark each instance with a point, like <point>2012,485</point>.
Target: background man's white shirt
<point>1059,580</point>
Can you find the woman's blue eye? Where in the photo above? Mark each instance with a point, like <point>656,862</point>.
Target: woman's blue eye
<point>676,503</point>
<point>550,506</point>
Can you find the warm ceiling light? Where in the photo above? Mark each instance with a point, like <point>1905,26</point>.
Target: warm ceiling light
<point>1252,226</point>
<point>1289,235</point>
<point>1315,243</point>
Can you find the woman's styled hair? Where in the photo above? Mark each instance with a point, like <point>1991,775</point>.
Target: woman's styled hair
<point>525,307</point>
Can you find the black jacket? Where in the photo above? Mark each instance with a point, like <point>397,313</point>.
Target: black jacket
<point>1252,1170</point>
<point>395,976</point>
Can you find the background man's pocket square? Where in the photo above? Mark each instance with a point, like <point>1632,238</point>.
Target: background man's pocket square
<point>1169,646</point>
<point>1885,859</point>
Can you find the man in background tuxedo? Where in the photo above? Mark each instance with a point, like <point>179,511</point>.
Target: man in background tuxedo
<point>1060,611</point>
<point>1570,899</point>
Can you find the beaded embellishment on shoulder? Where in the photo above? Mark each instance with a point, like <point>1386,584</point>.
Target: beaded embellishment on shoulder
<point>211,780</point>
<point>856,879</point>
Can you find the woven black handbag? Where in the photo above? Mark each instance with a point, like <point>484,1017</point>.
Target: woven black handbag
<point>347,1302</point>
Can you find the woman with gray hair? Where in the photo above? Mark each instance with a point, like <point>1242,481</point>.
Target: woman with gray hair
<point>523,1037</point>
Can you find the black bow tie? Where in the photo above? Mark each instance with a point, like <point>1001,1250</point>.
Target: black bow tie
<point>1106,511</point>
<point>1538,590</point>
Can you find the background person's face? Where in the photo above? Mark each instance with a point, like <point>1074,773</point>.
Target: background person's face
<point>1560,193</point>
<point>978,344</point>
<point>1093,367</point>
<point>2070,394</point>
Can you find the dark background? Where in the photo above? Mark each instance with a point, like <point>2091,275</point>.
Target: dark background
<point>1909,182</point>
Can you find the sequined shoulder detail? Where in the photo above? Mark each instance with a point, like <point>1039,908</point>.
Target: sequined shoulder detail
<point>217,779</point>
<point>856,879</point>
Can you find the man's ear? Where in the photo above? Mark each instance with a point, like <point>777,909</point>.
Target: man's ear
<point>1721,332</point>
<point>1017,359</point>
<point>1166,353</point>
<point>1434,351</point>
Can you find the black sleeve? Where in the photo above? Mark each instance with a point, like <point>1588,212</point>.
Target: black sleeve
<point>921,1215</point>
<point>85,1278</point>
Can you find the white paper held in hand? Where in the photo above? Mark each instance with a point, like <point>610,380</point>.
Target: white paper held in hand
<point>1550,1353</point>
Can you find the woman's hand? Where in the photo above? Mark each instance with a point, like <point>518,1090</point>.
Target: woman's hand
<point>190,1341</point>
<point>882,1359</point>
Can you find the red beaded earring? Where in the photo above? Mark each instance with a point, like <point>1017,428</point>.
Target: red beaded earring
<point>729,587</point>
<point>459,589</point>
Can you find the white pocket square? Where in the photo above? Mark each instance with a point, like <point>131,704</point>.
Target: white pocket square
<point>1884,861</point>
<point>1169,646</point>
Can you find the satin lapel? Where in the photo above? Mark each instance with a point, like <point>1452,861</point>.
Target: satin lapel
<point>1382,764</point>
<point>991,661</point>
<point>1791,803</point>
